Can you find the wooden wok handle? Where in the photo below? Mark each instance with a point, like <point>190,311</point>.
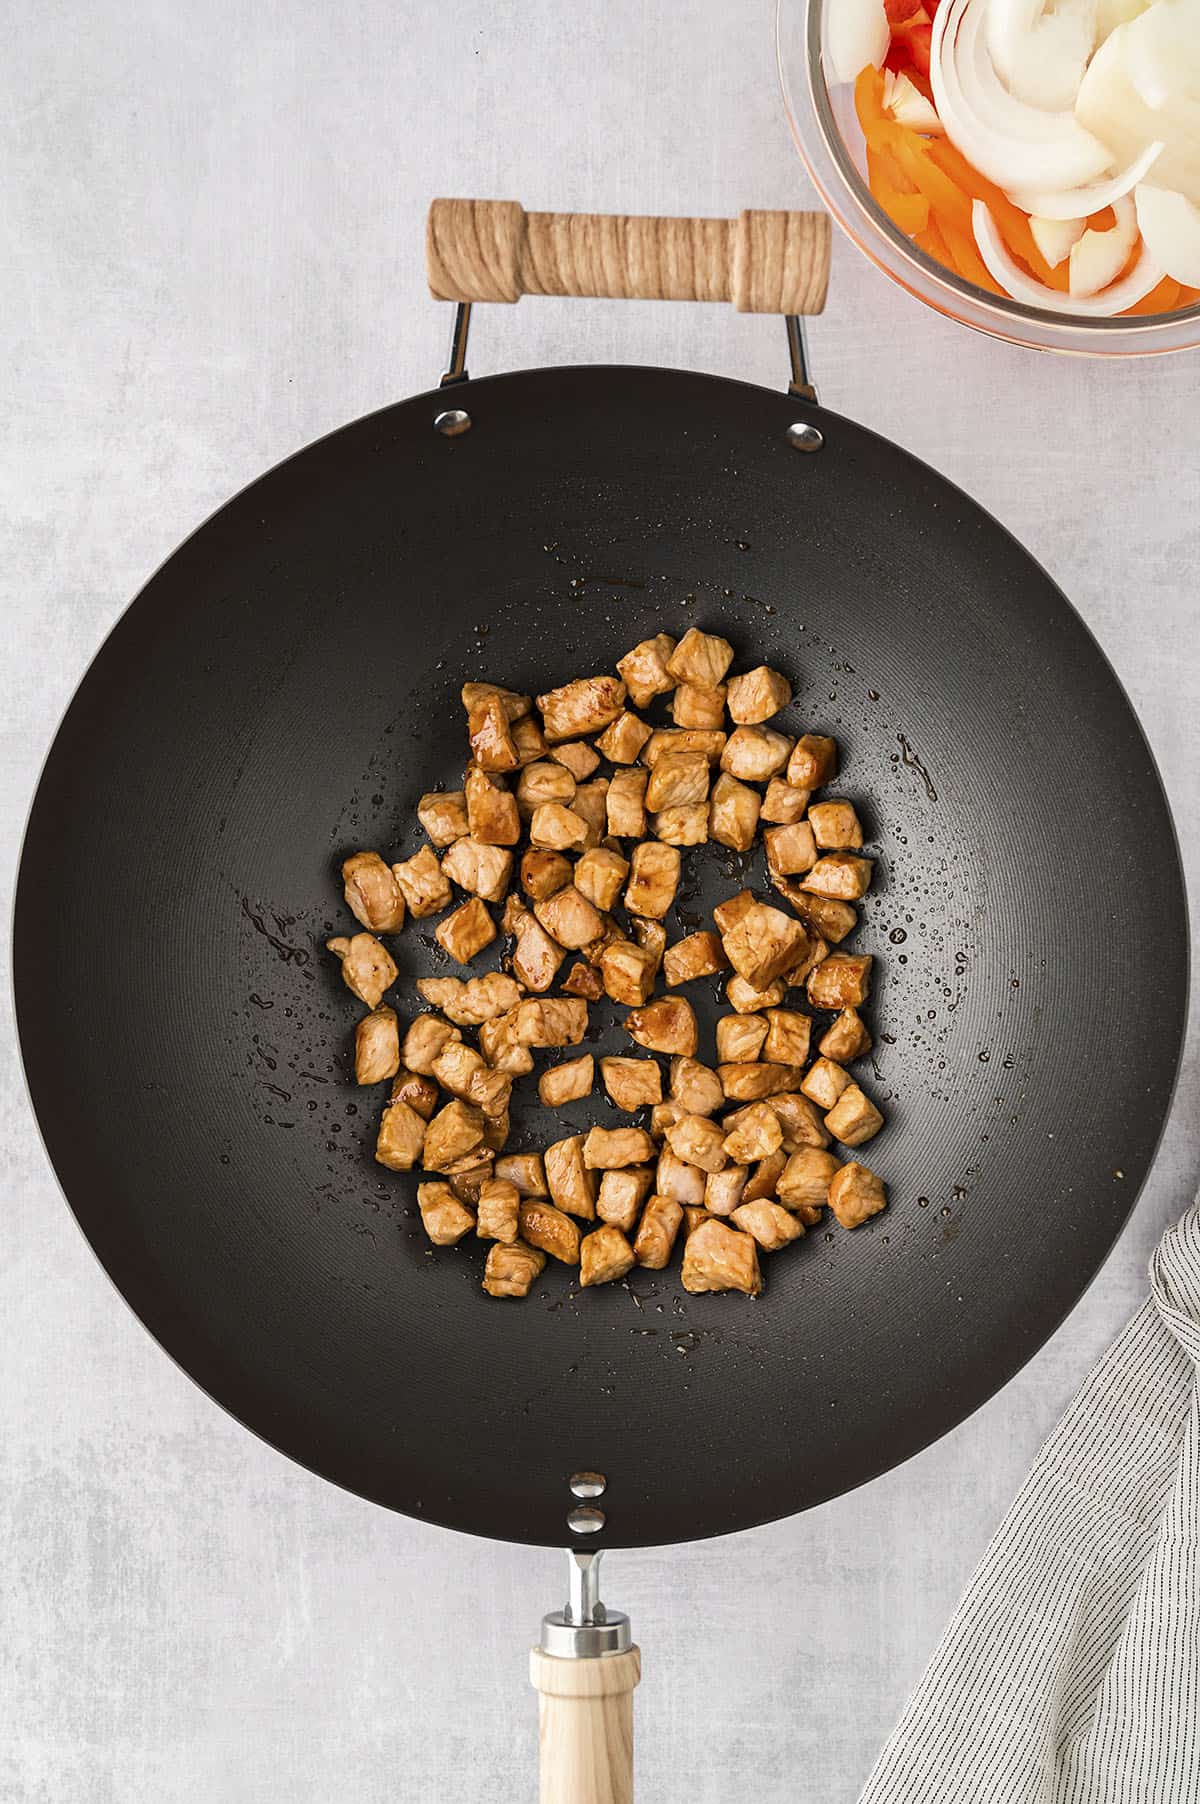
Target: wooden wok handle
<point>493,250</point>
<point>585,1727</point>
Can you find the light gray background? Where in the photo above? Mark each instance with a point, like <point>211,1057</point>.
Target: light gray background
<point>212,220</point>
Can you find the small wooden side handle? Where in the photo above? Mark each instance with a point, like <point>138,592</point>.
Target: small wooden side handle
<point>493,250</point>
<point>585,1727</point>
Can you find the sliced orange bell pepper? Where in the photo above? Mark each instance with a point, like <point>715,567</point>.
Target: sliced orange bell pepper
<point>966,257</point>
<point>908,210</point>
<point>1161,299</point>
<point>1012,223</point>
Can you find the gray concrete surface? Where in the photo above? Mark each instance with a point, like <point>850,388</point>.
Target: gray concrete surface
<point>212,253</point>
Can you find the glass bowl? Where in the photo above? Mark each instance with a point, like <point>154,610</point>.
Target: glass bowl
<point>830,142</point>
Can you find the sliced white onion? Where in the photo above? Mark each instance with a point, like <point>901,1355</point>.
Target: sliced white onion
<point>1111,13</point>
<point>1018,283</point>
<point>1056,237</point>
<point>1170,225</point>
<point>906,103</point>
<point>1111,106</point>
<point>1014,145</point>
<point>1040,55</point>
<point>856,33</point>
<point>1078,203</point>
<point>1099,257</point>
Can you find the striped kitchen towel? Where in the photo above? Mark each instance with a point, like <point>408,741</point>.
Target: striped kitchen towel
<point>1070,1672</point>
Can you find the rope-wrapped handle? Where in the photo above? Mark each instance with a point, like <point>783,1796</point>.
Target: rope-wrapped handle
<point>492,250</point>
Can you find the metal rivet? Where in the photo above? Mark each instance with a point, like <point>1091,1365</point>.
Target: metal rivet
<point>452,423</point>
<point>802,437</point>
<point>584,1520</point>
<point>588,1484</point>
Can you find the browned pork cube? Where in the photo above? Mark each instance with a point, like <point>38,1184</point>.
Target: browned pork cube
<point>656,1232</point>
<point>501,1048</point>
<point>537,957</point>
<point>853,1119</point>
<point>699,1141</point>
<point>767,1223</point>
<point>727,913</point>
<point>526,1171</point>
<point>751,1083</point>
<point>376,1046</point>
<point>733,813</point>
<point>632,1083</point>
<point>542,783</point>
<point>747,998</point>
<point>554,828</point>
<point>800,1120</point>
<point>822,915</point>
<point>423,882</point>
<point>599,876</point>
<point>699,955</point>
<point>581,707</point>
<point>548,1229</point>
<point>550,1021</point>
<point>544,872</point>
<point>583,980</point>
<point>443,1217</point>
<point>569,1181</point>
<point>692,1217</point>
<point>686,825</point>
<point>623,740</point>
<point>723,1190</point>
<point>716,1257</point>
<point>664,1115</point>
<point>455,1132</point>
<point>847,1039</point>
<point>654,878</point>
<point>855,1194</point>
<point>765,1176</point>
<point>645,669</point>
<point>805,1179</point>
<point>787,1037</point>
<point>419,1092</point>
<point>790,849</point>
<point>622,1194</point>
<point>492,745</point>
<point>625,804</point>
<point>700,658</point>
<point>529,740</point>
<point>368,968</point>
<point>836,826</point>
<point>569,918</point>
<point>402,1134</point>
<point>756,1136</point>
<point>578,757</point>
<point>694,706</point>
<point>757,695</point>
<point>611,1149</point>
<point>784,803</point>
<point>481,870</point>
<point>515,706</point>
<point>591,805</point>
<point>695,1087</point>
<point>426,1037</point>
<point>841,981</point>
<point>813,761</point>
<point>670,740</point>
<point>740,1039</point>
<point>372,894</point>
<point>468,1004</point>
<point>566,1082</point>
<point>665,1025</point>
<point>628,972</point>
<point>678,777</point>
<point>604,1256</point>
<point>764,943</point>
<point>755,753</point>
<point>511,1270</point>
<point>840,875</point>
<point>674,1177</point>
<point>465,932</point>
<point>443,814</point>
<point>825,1083</point>
<point>498,1210</point>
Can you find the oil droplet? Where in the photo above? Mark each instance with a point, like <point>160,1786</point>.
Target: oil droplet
<point>922,1202</point>
<point>872,695</point>
<point>984,1057</point>
<point>897,936</point>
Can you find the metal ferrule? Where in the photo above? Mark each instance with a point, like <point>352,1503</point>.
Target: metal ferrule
<point>585,1629</point>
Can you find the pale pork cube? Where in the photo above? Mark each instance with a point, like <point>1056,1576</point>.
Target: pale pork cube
<point>836,826</point>
<point>526,1171</point>
<point>674,1177</point>
<point>581,707</point>
<point>571,1185</point>
<point>686,825</point>
<point>645,669</point>
<point>368,968</point>
<point>716,1257</point>
<point>443,1217</point>
<point>696,1087</point>
<point>426,1037</point>
<point>423,882</point>
<point>611,1149</point>
<point>842,980</point>
<point>465,932</point>
<point>669,741</point>
<point>733,812</point>
<point>788,1035</point>
<point>498,1210</point>
<point>665,1025</point>
<point>537,956</point>
<point>604,1256</point>
<point>443,814</point>
<point>747,998</point>
<point>402,1135</point>
<point>628,972</point>
<point>515,706</point>
<point>757,695</point>
<point>694,706</point>
<point>663,1116</point>
<point>767,1223</point>
<point>631,1083</point>
<point>847,1039</point>
<point>784,803</point>
<point>756,1136</point>
<point>813,761</point>
<point>755,753</point>
<point>599,876</point>
<point>840,875</point>
<point>764,943</point>
<point>625,804</point>
<point>805,1179</point>
<point>554,828</point>
<point>542,782</point>
<point>550,1021</point>
<point>656,1232</point>
<point>468,1004</point>
<point>824,1083</point>
<point>621,1196</point>
<point>621,742</point>
<point>699,955</point>
<point>766,1173</point>
<point>569,918</point>
<point>578,757</point>
<point>750,1083</point>
<point>490,738</point>
<point>550,1230</point>
<point>480,869</point>
<point>698,1141</point>
<point>723,1190</point>
<point>853,1119</point>
<point>701,658</point>
<point>677,778</point>
<point>654,878</point>
<point>452,1136</point>
<point>800,1120</point>
<point>544,872</point>
<point>740,1038</point>
<point>790,850</point>
<point>511,1270</point>
<point>376,1046</point>
<point>372,894</point>
<point>855,1194</point>
<point>591,805</point>
<point>566,1082</point>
